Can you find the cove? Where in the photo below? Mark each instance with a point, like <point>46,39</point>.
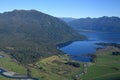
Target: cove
<point>78,49</point>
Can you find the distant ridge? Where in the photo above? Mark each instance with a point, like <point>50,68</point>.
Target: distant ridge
<point>102,24</point>
<point>67,19</point>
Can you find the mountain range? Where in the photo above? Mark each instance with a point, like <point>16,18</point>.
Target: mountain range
<point>101,24</point>
<point>67,19</point>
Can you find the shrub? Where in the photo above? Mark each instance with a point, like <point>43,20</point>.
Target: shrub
<point>74,64</point>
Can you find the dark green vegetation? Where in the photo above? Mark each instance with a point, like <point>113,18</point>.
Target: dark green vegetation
<point>75,64</point>
<point>102,24</point>
<point>116,53</point>
<point>31,35</point>
<point>105,67</point>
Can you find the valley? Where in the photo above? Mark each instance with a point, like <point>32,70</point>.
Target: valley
<point>38,46</point>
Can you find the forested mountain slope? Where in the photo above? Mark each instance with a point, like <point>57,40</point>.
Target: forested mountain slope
<point>29,35</point>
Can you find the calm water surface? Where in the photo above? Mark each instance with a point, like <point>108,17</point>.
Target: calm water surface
<point>78,49</point>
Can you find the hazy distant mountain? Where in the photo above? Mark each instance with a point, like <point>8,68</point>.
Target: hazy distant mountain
<point>102,24</point>
<point>67,19</point>
<point>29,35</point>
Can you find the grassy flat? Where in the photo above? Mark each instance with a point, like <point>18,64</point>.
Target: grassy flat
<point>9,64</point>
<point>106,67</point>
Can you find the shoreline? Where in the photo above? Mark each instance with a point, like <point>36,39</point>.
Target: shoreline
<point>94,31</point>
<point>91,55</point>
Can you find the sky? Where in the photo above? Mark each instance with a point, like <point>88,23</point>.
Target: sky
<point>66,8</point>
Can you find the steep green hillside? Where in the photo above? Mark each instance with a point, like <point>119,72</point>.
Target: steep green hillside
<point>30,35</point>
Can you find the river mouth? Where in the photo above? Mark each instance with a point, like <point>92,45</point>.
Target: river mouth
<point>78,50</point>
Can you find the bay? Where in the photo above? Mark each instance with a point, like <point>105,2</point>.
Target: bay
<point>78,49</point>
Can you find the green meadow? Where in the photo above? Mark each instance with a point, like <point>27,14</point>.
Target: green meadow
<point>106,66</point>
<point>9,64</point>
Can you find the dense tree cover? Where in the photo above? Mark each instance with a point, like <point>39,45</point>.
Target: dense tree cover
<point>74,64</point>
<point>116,53</point>
<point>102,24</point>
<point>31,35</point>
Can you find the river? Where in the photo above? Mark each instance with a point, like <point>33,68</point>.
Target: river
<point>78,49</point>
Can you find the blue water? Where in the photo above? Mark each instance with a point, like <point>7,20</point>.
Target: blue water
<point>78,49</point>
